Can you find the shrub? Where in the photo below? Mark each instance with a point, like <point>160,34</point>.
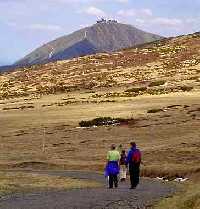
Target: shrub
<point>101,121</point>
<point>186,88</point>
<point>96,122</point>
<point>136,89</point>
<point>157,83</point>
<point>154,110</point>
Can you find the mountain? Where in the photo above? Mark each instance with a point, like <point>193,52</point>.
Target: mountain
<point>161,67</point>
<point>104,36</point>
<point>4,68</point>
<point>80,48</point>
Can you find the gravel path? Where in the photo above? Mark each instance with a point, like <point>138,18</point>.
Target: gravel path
<point>97,198</point>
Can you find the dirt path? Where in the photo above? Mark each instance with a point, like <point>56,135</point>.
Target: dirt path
<point>96,198</point>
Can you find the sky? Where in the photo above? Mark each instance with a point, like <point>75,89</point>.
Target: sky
<point>28,24</point>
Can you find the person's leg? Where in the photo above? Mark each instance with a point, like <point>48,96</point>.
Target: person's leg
<point>137,175</point>
<point>121,172</point>
<point>124,172</point>
<point>110,181</point>
<point>115,180</point>
<point>131,172</point>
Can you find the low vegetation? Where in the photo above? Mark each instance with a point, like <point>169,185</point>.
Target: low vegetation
<point>136,89</point>
<point>169,63</point>
<point>157,83</point>
<point>18,108</point>
<point>155,110</point>
<point>186,88</point>
<point>188,199</point>
<point>102,121</point>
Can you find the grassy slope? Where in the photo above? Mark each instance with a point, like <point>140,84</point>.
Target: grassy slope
<point>175,61</point>
<point>187,199</point>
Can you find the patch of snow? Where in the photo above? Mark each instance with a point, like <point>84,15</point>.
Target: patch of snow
<point>51,53</point>
<point>176,179</point>
<point>181,179</point>
<point>159,178</point>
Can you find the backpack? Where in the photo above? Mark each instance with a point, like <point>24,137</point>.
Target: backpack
<point>136,157</point>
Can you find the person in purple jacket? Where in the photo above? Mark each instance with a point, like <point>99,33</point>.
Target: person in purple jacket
<point>133,161</point>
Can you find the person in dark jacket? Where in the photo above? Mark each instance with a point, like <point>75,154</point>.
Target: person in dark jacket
<point>133,161</point>
<point>123,167</point>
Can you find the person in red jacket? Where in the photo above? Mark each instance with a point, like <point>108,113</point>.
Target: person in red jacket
<point>133,161</point>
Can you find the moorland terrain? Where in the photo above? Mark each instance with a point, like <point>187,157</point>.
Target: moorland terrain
<point>156,86</point>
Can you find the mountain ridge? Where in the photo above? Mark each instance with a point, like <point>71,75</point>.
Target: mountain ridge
<point>104,36</point>
<point>161,67</point>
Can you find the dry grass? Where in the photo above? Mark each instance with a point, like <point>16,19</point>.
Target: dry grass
<point>187,199</point>
<point>175,62</point>
<point>27,182</point>
<point>168,139</point>
<point>40,131</point>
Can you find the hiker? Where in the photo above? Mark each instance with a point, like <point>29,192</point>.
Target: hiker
<point>112,167</point>
<point>123,166</point>
<point>133,161</point>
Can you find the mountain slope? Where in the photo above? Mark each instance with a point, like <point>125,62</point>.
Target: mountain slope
<point>101,37</point>
<point>78,49</point>
<point>5,68</point>
<point>169,65</point>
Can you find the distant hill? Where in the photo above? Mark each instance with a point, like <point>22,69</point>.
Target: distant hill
<point>6,67</point>
<point>104,36</point>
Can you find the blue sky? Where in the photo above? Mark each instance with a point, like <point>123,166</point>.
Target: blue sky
<point>27,24</point>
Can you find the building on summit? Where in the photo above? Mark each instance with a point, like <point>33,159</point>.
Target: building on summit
<point>102,20</point>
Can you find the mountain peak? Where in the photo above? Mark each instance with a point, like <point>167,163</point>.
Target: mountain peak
<point>109,21</point>
<point>103,36</point>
